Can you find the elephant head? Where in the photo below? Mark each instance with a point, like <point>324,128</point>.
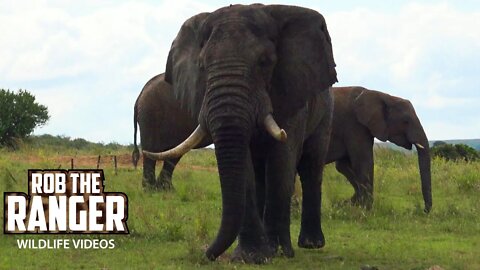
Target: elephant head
<point>394,119</point>
<point>234,69</point>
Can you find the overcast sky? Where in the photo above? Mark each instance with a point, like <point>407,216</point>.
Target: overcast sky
<point>88,60</point>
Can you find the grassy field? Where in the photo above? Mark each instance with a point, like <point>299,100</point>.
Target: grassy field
<point>171,230</point>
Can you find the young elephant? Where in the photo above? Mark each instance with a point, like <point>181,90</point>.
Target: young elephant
<point>163,125</point>
<point>360,115</point>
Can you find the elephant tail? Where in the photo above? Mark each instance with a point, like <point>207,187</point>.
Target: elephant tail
<point>136,152</point>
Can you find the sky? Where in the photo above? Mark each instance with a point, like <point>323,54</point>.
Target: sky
<point>88,60</point>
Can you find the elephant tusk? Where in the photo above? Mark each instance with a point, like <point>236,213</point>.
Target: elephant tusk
<point>274,130</point>
<point>193,140</point>
<point>419,146</point>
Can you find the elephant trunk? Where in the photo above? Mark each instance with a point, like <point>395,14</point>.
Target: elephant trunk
<point>230,150</point>
<point>425,173</point>
<point>228,115</point>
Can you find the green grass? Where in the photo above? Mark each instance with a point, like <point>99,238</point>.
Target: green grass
<point>170,230</point>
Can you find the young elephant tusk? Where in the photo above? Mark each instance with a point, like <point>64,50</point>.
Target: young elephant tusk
<point>193,140</point>
<point>274,130</point>
<point>419,146</point>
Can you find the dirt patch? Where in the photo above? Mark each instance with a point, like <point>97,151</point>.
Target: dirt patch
<point>103,161</point>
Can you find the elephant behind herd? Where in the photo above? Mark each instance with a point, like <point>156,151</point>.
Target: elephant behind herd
<point>356,116</point>
<point>256,81</point>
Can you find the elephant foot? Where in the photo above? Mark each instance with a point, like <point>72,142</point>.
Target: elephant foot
<point>252,254</point>
<point>148,185</point>
<point>283,248</point>
<point>286,250</point>
<point>164,184</point>
<point>311,240</point>
<point>364,201</point>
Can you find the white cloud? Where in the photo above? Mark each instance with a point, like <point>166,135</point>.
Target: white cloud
<point>405,47</point>
<point>87,61</point>
<point>50,42</point>
<point>99,54</point>
<point>441,130</point>
<point>439,102</point>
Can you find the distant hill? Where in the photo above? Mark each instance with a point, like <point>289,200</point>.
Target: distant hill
<point>475,143</point>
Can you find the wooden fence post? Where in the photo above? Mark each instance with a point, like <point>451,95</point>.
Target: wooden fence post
<point>98,162</point>
<point>71,163</point>
<point>115,162</point>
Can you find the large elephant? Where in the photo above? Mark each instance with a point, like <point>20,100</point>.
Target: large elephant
<point>237,69</point>
<point>159,131</point>
<point>360,115</point>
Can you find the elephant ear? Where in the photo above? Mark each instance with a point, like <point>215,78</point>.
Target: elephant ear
<point>371,111</point>
<point>305,64</point>
<point>182,70</point>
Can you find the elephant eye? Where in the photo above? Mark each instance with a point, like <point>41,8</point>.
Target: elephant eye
<point>207,31</point>
<point>200,64</point>
<point>263,61</point>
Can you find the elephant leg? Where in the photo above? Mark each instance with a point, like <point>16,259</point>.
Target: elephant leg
<point>311,235</point>
<point>252,240</point>
<point>310,169</point>
<point>259,168</point>
<point>344,167</point>
<point>362,166</point>
<point>280,180</point>
<point>148,181</point>
<point>164,180</point>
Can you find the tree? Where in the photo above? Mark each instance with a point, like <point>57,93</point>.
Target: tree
<point>19,115</point>
<point>455,152</point>
<point>466,152</point>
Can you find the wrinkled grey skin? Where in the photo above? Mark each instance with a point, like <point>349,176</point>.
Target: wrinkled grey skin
<point>163,125</point>
<point>233,67</point>
<point>360,115</point>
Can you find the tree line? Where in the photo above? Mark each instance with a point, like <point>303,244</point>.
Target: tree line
<point>454,152</point>
<point>20,114</point>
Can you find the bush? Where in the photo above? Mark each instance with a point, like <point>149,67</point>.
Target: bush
<point>455,152</point>
<point>19,115</point>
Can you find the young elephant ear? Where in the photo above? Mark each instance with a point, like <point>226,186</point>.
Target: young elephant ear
<point>371,111</point>
<point>305,64</point>
<point>182,70</point>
